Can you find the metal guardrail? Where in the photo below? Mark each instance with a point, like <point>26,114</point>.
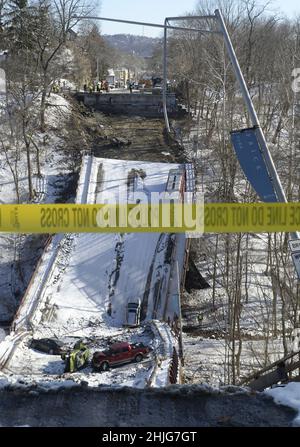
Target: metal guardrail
<point>6,354</point>
<point>274,373</point>
<point>174,368</point>
<point>170,353</point>
<point>33,276</point>
<point>82,188</point>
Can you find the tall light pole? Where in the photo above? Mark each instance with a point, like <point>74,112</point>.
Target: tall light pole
<point>250,107</point>
<point>98,70</point>
<point>165,76</point>
<point>254,118</point>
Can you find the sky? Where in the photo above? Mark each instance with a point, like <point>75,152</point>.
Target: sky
<point>155,11</point>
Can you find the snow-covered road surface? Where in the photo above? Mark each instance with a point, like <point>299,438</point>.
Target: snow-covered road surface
<point>84,281</point>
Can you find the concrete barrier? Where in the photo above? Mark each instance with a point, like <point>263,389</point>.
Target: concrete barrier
<point>130,104</point>
<point>173,406</point>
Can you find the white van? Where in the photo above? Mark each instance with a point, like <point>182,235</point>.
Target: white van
<point>133,313</point>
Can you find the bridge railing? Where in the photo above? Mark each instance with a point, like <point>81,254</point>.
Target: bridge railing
<point>279,371</point>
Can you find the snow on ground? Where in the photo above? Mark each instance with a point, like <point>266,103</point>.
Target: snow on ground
<point>257,308</point>
<point>288,395</point>
<point>160,377</point>
<point>66,84</point>
<point>58,111</point>
<point>54,171</point>
<point>207,355</point>
<point>207,360</point>
<point>29,365</point>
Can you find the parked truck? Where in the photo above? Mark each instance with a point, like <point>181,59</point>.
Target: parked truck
<point>119,354</point>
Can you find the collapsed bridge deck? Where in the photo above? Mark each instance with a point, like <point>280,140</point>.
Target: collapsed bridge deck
<point>84,281</point>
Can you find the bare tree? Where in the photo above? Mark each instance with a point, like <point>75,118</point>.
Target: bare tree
<point>52,25</point>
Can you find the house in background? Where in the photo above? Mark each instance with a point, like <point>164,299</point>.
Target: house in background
<point>111,78</point>
<point>122,76</point>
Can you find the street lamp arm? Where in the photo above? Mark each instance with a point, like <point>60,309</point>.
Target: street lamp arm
<point>153,25</point>
<point>209,17</point>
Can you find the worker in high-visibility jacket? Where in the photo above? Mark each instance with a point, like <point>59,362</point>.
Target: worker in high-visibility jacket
<point>77,358</point>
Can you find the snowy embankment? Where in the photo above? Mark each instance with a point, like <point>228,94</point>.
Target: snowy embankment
<point>208,349</point>
<point>19,253</point>
<point>288,395</point>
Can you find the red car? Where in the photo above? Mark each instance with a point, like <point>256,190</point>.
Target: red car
<point>118,354</point>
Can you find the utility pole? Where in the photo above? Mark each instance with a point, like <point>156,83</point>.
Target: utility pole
<point>165,75</point>
<point>98,69</point>
<point>250,107</point>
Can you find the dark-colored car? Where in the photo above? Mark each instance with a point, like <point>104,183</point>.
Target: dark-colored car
<point>47,345</point>
<point>119,354</point>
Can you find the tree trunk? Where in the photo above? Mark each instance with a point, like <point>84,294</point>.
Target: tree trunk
<point>43,110</point>
<point>188,96</point>
<point>14,171</point>
<point>38,164</point>
<point>29,170</point>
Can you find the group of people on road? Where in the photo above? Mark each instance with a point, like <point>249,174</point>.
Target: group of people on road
<point>59,86</point>
<point>96,86</point>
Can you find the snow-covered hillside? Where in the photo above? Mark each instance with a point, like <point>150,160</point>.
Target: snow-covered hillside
<point>19,254</point>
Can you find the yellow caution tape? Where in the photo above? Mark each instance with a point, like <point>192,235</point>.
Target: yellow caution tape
<point>208,218</point>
